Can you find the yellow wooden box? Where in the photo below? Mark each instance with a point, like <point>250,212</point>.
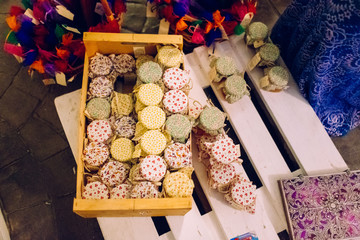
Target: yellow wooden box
<point>107,43</point>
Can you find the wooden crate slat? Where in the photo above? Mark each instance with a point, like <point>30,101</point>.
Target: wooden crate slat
<point>253,135</point>
<point>233,222</point>
<point>127,228</point>
<point>296,120</point>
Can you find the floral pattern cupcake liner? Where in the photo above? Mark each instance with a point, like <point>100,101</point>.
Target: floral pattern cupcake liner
<point>95,154</point>
<point>178,155</point>
<point>153,168</point>
<point>113,173</point>
<point>98,109</point>
<point>175,101</point>
<point>95,190</point>
<point>100,87</point>
<point>175,78</point>
<point>99,131</point>
<point>100,65</point>
<point>145,190</point>
<point>122,191</point>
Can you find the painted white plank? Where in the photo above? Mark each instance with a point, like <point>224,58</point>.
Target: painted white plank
<point>233,222</point>
<point>190,226</point>
<point>68,109</point>
<point>212,222</point>
<point>4,231</point>
<point>253,135</point>
<point>296,120</point>
<point>127,228</point>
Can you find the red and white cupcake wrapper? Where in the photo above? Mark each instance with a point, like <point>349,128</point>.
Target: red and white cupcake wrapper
<point>99,131</point>
<point>145,190</point>
<point>96,153</point>
<point>175,78</point>
<point>175,101</point>
<point>242,194</point>
<point>225,151</point>
<point>178,155</point>
<point>121,191</point>
<point>113,173</point>
<point>153,168</point>
<point>221,176</point>
<point>95,190</point>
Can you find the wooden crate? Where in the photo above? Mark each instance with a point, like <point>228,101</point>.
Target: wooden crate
<point>107,43</point>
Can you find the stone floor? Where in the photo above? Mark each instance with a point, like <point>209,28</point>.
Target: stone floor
<point>37,168</point>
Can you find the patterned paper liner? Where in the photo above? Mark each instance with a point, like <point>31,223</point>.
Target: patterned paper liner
<point>95,190</point>
<point>113,173</point>
<point>95,154</point>
<point>150,94</point>
<point>98,109</point>
<point>175,78</point>
<point>149,72</point>
<point>152,117</point>
<point>100,65</point>
<point>179,127</point>
<point>123,63</point>
<point>178,184</point>
<point>145,190</point>
<point>99,131</point>
<point>175,101</point>
<point>122,149</point>
<point>122,191</point>
<point>178,155</point>
<point>153,168</point>
<point>242,195</point>
<point>100,87</point>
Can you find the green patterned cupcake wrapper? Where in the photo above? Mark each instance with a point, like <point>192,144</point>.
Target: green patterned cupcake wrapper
<point>143,59</point>
<point>235,88</point>
<point>257,31</point>
<point>275,79</point>
<point>149,72</point>
<point>225,66</point>
<point>97,109</point>
<point>179,127</point>
<point>269,53</point>
<point>212,120</point>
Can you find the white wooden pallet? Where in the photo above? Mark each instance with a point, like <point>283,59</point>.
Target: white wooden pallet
<point>223,222</point>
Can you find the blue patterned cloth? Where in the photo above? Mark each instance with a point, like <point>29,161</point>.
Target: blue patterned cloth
<point>320,43</point>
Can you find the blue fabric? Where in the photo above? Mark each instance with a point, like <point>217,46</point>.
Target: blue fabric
<point>320,43</point>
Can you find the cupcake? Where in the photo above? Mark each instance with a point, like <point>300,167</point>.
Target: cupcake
<point>256,34</point>
<point>242,195</point>
<point>99,131</point>
<point>178,185</point>
<point>152,117</point>
<point>125,127</point>
<point>113,173</point>
<point>175,101</point>
<point>150,94</point>
<point>153,168</point>
<point>275,80</point>
<point>212,120</point>
<point>98,108</point>
<point>153,142</point>
<point>95,154</point>
<point>222,67</point>
<point>169,57</point>
<point>100,87</point>
<point>100,65</point>
<point>122,149</point>
<point>179,127</point>
<point>122,191</point>
<point>145,190</point>
<point>175,78</point>
<point>178,155</point>
<point>95,190</point>
<point>235,88</point>
<point>149,72</point>
<point>123,63</point>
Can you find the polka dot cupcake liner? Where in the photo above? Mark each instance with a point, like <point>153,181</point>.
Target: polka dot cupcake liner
<point>242,195</point>
<point>95,154</point>
<point>122,149</point>
<point>97,109</point>
<point>99,131</point>
<point>145,190</point>
<point>150,94</point>
<point>100,65</point>
<point>125,127</point>
<point>153,168</point>
<point>153,142</point>
<point>95,190</point>
<point>100,87</point>
<point>235,88</point>
<point>113,173</point>
<point>175,101</point>
<point>178,184</point>
<point>212,120</point>
<point>175,78</point>
<point>122,191</point>
<point>178,155</point>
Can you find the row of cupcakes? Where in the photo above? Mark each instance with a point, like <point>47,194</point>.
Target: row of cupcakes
<point>275,77</point>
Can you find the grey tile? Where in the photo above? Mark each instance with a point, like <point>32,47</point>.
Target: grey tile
<point>32,86</point>
<point>265,13</point>
<point>36,222</point>
<point>72,226</point>
<point>11,145</point>
<point>59,175</point>
<point>47,112</point>
<point>22,185</point>
<point>349,148</point>
<point>41,139</point>
<point>17,106</point>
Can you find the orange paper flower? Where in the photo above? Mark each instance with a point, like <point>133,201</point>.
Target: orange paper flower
<point>13,23</point>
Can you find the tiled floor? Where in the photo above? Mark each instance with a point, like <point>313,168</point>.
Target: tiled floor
<point>37,168</point>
